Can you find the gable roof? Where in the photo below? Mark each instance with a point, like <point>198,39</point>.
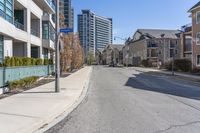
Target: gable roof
<point>194,7</point>
<point>158,33</point>
<point>117,46</point>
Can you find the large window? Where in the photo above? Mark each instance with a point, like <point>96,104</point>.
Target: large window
<point>45,30</point>
<point>1,49</point>
<point>6,10</point>
<point>198,17</point>
<point>198,38</point>
<point>198,60</point>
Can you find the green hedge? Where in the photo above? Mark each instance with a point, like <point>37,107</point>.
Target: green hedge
<point>180,65</point>
<point>25,82</point>
<point>25,61</point>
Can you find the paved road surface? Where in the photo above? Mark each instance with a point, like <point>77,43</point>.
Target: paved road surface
<point>122,100</point>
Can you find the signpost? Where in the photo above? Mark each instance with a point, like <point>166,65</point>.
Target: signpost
<point>57,80</point>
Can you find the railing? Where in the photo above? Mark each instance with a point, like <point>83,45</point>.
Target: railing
<point>19,25</point>
<point>16,73</point>
<point>34,32</point>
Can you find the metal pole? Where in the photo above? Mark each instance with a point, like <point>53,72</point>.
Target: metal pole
<point>173,65</point>
<point>57,52</point>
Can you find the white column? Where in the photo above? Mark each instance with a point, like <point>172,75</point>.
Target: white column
<point>8,47</point>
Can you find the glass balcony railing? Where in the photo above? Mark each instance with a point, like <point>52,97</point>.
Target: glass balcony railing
<point>19,25</point>
<point>51,4</point>
<point>35,32</point>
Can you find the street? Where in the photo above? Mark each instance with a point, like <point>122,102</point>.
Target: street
<point>123,100</point>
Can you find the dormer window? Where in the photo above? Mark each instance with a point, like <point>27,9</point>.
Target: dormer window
<point>198,17</point>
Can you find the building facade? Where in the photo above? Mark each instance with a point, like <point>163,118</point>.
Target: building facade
<point>195,34</point>
<point>68,11</point>
<point>112,54</point>
<point>27,28</point>
<point>186,41</point>
<point>155,45</point>
<point>95,32</point>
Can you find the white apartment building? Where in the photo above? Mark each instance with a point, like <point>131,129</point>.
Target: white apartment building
<point>27,28</point>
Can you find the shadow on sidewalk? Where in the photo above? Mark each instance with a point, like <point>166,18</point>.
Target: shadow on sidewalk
<point>164,85</point>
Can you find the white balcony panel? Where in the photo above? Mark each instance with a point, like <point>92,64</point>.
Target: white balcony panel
<point>7,28</point>
<point>36,10</point>
<point>52,45</point>
<point>21,35</point>
<point>36,40</point>
<point>43,4</point>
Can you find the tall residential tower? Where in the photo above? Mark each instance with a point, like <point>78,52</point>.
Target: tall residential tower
<point>95,32</point>
<point>67,10</point>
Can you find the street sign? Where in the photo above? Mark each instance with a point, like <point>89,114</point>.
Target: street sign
<point>66,30</point>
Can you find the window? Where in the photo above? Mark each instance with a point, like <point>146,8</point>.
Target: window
<point>198,17</point>
<point>6,10</point>
<point>1,49</point>
<point>154,53</point>
<point>198,60</point>
<point>45,30</point>
<point>172,53</point>
<point>198,38</point>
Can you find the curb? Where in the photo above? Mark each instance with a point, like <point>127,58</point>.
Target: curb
<point>69,110</point>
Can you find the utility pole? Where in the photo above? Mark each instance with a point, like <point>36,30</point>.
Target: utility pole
<point>57,52</point>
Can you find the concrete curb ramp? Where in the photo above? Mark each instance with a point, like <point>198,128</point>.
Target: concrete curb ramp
<point>34,109</point>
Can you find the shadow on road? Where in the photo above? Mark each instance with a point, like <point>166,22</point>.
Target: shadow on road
<point>163,85</point>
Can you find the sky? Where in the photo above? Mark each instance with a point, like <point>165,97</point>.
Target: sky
<point>130,15</point>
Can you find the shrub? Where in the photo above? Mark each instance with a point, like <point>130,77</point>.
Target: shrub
<point>183,65</point>
<point>46,61</point>
<point>196,70</point>
<point>50,61</point>
<point>6,62</point>
<point>25,61</point>
<point>33,61</point>
<point>146,63</point>
<point>39,61</point>
<point>25,82</point>
<point>179,65</point>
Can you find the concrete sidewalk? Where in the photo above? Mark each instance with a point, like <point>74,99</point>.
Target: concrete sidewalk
<point>30,110</point>
<point>196,77</point>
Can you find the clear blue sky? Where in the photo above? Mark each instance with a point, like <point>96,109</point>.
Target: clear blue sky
<point>129,15</point>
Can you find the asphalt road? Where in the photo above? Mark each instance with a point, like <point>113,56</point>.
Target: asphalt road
<point>122,100</point>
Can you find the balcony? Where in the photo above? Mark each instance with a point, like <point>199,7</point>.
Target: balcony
<point>48,5</point>
<point>19,25</point>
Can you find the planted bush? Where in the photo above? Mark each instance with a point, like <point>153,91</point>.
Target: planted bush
<point>46,61</point>
<point>25,82</point>
<point>183,65</point>
<point>146,63</point>
<point>25,61</point>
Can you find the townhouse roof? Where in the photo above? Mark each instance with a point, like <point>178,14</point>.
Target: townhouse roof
<point>117,46</point>
<point>194,7</point>
<point>158,33</point>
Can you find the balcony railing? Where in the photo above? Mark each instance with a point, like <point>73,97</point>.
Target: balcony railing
<point>19,25</point>
<point>35,32</point>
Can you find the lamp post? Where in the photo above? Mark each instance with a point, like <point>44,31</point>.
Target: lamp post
<point>57,51</point>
